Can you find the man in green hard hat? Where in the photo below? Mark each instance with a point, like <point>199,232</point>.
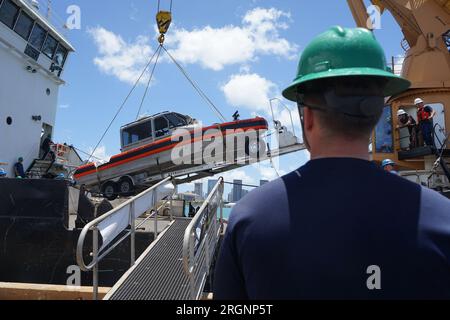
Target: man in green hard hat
<point>338,227</point>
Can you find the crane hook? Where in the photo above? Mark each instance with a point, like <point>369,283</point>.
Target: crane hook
<point>163,19</point>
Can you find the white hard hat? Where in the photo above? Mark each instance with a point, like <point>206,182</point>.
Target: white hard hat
<point>401,112</point>
<point>418,101</point>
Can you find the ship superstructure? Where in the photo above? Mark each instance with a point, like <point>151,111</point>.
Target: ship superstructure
<point>33,54</point>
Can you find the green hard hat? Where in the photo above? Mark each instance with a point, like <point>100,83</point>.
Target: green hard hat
<point>344,52</point>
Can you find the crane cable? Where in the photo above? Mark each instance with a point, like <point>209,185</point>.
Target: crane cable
<point>196,86</point>
<point>157,53</point>
<point>149,81</point>
<point>164,19</point>
<point>159,5</point>
<point>122,105</point>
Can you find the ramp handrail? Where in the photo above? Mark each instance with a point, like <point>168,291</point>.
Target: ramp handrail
<point>96,254</point>
<point>200,240</point>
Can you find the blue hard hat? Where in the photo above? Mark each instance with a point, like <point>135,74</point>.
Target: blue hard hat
<point>2,172</point>
<point>60,176</point>
<point>388,162</point>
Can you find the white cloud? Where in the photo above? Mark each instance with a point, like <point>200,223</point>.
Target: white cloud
<point>100,154</point>
<point>238,174</point>
<point>254,92</point>
<point>250,91</point>
<point>267,172</point>
<point>134,12</point>
<point>116,57</point>
<point>398,64</point>
<point>212,48</point>
<point>215,48</point>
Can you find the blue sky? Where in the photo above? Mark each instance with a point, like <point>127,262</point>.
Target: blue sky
<point>240,52</point>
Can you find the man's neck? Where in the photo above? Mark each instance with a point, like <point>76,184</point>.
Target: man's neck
<point>342,149</point>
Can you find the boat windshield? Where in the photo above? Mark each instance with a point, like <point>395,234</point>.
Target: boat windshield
<point>175,120</point>
<point>136,133</point>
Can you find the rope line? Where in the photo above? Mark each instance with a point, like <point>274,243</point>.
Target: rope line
<point>196,86</point>
<point>159,5</point>
<point>149,82</point>
<point>122,105</point>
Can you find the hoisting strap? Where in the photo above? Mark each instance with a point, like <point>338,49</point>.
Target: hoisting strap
<point>149,81</point>
<point>122,105</point>
<point>159,5</point>
<point>195,86</point>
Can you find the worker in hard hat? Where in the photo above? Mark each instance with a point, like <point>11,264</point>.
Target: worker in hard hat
<point>3,173</point>
<point>407,121</point>
<point>425,115</point>
<point>19,171</point>
<point>389,166</point>
<point>338,226</point>
<point>60,176</point>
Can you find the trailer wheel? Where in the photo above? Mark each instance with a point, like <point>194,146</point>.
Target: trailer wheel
<point>109,191</point>
<point>126,186</point>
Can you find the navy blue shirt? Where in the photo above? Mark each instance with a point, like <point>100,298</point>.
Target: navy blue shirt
<point>315,233</point>
<point>19,171</point>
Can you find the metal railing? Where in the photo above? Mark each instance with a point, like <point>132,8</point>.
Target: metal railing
<point>98,254</point>
<point>200,241</point>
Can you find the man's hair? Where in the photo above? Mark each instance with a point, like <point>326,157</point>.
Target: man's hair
<point>340,123</point>
<point>345,125</point>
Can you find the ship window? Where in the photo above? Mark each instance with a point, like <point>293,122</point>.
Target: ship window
<point>446,37</point>
<point>50,46</point>
<point>24,25</point>
<point>161,127</point>
<point>37,37</point>
<point>60,56</point>
<point>32,52</point>
<point>8,13</point>
<point>384,141</point>
<point>136,133</point>
<point>175,121</point>
<point>9,121</point>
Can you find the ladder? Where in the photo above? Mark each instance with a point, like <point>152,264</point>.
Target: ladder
<point>39,168</point>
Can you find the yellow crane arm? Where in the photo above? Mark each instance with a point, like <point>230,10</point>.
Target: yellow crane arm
<point>359,12</point>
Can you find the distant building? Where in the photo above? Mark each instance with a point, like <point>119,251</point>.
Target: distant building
<point>230,197</point>
<point>237,190</point>
<point>211,185</point>
<point>263,182</point>
<point>244,193</point>
<point>199,190</point>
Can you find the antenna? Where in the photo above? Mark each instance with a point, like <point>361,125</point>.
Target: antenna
<point>49,9</point>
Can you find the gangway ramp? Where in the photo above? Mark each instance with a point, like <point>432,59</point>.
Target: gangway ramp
<point>176,266</point>
<point>158,274</point>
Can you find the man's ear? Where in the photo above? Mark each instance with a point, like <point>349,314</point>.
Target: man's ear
<point>308,119</point>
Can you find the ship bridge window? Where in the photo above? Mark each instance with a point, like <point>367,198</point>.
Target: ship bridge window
<point>136,133</point>
<point>50,46</point>
<point>24,25</point>
<point>60,56</point>
<point>8,13</point>
<point>37,37</point>
<point>175,121</point>
<point>384,140</point>
<point>32,52</point>
<point>161,127</point>
<point>446,37</point>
